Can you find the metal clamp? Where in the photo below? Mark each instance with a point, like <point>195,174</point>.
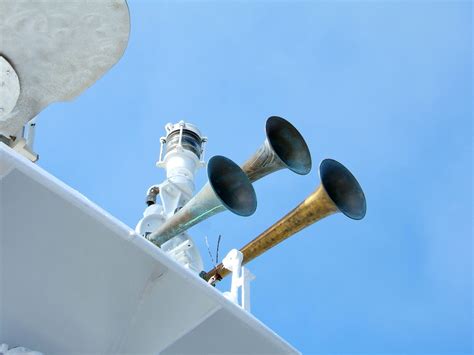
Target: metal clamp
<point>241,278</point>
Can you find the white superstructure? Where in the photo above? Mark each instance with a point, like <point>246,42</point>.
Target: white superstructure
<point>74,279</point>
<point>181,155</point>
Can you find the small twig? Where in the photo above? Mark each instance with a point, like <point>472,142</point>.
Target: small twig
<point>217,249</point>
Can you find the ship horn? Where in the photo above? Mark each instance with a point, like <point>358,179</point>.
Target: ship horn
<point>228,188</point>
<point>339,191</point>
<point>284,147</point>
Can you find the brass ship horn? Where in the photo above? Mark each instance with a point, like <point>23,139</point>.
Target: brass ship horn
<point>228,188</point>
<point>284,147</point>
<point>339,192</point>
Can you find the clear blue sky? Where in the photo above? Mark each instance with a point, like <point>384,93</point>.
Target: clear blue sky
<point>385,87</point>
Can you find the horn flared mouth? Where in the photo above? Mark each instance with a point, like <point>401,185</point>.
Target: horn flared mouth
<point>232,186</point>
<point>288,144</point>
<point>343,189</point>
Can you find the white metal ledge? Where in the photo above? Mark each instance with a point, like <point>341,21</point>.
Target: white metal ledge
<point>73,279</point>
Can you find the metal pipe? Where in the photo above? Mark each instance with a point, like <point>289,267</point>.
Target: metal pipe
<point>228,188</point>
<point>284,147</point>
<point>339,191</point>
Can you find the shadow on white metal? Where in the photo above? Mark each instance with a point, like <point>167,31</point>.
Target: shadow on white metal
<point>73,279</point>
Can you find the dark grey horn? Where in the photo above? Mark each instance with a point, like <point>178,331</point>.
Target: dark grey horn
<point>228,188</point>
<point>284,147</point>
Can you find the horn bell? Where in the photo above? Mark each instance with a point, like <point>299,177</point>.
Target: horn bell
<point>339,191</point>
<point>343,189</point>
<point>284,147</point>
<point>232,186</point>
<point>228,188</point>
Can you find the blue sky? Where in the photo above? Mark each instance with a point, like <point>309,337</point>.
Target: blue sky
<point>385,87</point>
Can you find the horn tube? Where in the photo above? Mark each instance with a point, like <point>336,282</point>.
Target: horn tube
<point>339,191</point>
<point>228,188</point>
<point>284,147</point>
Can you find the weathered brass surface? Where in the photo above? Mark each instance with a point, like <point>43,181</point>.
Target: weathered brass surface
<point>228,188</point>
<point>317,206</point>
<point>339,192</point>
<point>284,147</point>
<point>263,162</point>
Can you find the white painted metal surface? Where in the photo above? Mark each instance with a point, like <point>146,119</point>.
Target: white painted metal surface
<point>17,350</point>
<point>181,166</point>
<point>58,49</point>
<point>73,279</point>
<point>9,87</point>
<point>241,278</point>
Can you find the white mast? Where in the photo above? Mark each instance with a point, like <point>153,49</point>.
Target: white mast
<point>181,155</point>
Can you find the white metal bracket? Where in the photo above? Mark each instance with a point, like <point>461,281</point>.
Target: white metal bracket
<point>23,141</point>
<point>241,278</point>
<point>172,196</point>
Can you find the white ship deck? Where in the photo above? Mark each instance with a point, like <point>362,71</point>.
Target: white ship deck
<point>73,279</point>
